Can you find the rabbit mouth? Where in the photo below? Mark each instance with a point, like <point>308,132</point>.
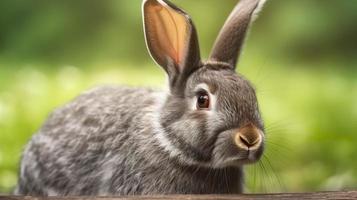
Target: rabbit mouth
<point>250,157</point>
<point>244,158</point>
<point>231,149</point>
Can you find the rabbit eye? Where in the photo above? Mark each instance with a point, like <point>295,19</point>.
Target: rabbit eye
<point>203,101</point>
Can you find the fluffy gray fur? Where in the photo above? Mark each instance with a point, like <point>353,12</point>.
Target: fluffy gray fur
<point>124,141</point>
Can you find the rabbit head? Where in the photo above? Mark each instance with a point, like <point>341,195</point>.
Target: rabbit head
<point>210,116</point>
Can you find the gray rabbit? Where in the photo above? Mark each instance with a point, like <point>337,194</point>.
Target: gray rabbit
<point>194,138</point>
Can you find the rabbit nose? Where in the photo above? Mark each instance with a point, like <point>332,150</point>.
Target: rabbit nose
<point>248,137</point>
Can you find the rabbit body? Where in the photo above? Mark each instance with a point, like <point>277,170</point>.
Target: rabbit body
<point>192,139</point>
<point>103,143</point>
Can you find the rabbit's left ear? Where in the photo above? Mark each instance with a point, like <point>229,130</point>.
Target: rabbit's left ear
<point>230,40</point>
<point>170,37</point>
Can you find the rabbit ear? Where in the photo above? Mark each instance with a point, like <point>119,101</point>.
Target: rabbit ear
<point>230,40</point>
<point>170,37</point>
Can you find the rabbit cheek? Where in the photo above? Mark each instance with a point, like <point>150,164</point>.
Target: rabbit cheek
<point>224,150</point>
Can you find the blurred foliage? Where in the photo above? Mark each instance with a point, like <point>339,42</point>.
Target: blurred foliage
<point>301,55</point>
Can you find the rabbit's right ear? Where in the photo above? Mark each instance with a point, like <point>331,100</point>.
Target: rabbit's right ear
<point>170,37</point>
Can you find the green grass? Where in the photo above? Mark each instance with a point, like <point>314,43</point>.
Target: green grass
<point>310,118</point>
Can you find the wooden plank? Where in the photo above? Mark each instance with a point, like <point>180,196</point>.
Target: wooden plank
<point>280,196</point>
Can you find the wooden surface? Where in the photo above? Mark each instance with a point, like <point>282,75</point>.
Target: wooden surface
<point>300,196</point>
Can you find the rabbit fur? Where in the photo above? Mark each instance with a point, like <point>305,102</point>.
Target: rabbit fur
<point>118,140</point>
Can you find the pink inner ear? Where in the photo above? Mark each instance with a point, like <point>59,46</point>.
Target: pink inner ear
<point>168,31</point>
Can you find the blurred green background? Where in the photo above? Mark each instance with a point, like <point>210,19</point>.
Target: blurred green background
<point>301,56</point>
